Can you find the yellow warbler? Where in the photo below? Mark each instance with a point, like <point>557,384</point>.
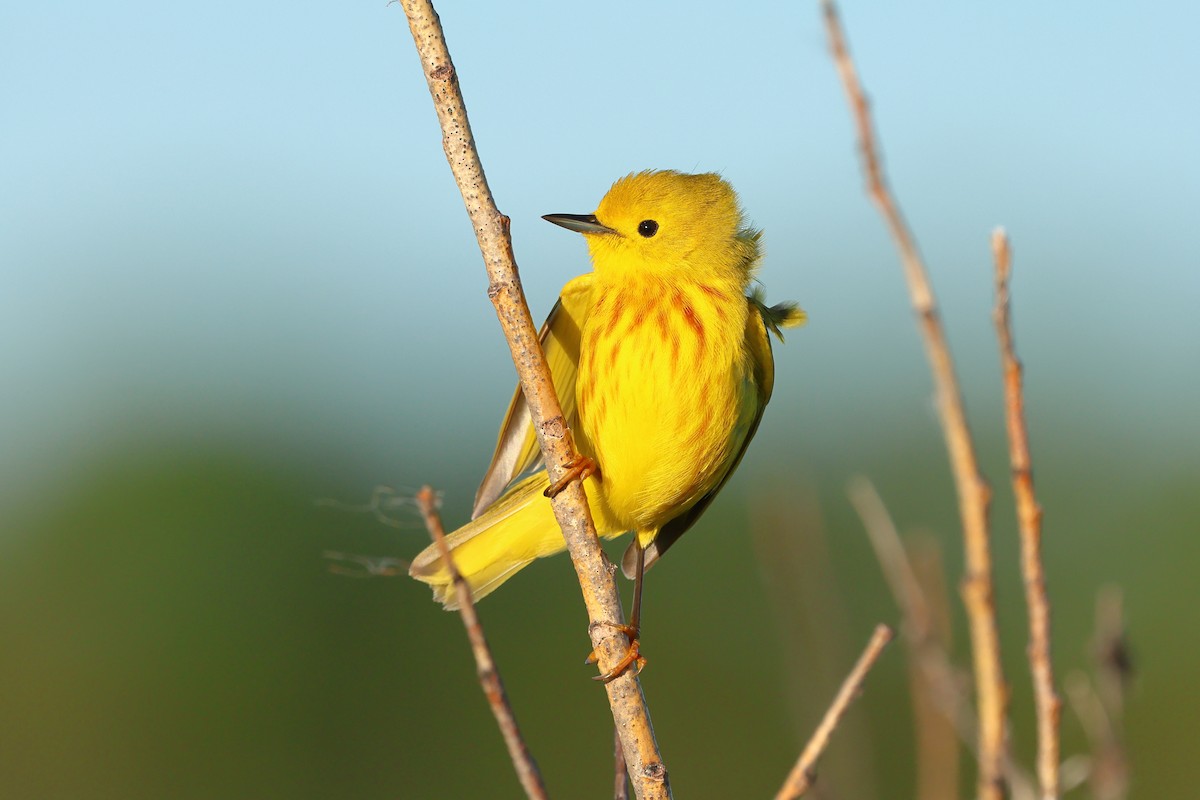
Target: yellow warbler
<point>662,364</point>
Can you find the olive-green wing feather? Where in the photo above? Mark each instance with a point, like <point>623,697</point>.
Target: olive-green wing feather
<point>762,364</point>
<point>517,450</point>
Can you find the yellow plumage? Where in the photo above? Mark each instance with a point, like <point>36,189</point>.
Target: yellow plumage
<point>663,367</point>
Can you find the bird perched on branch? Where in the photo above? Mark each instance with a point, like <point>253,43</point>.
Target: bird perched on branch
<point>662,363</point>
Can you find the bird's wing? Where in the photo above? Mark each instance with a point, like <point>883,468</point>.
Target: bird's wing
<point>762,373</point>
<point>517,450</point>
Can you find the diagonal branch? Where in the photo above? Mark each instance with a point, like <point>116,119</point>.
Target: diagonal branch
<point>974,495</point>
<point>946,685</point>
<point>801,778</point>
<point>485,666</point>
<point>1029,520</point>
<point>630,713</point>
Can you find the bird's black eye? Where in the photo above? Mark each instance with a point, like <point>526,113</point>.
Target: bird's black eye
<point>647,228</point>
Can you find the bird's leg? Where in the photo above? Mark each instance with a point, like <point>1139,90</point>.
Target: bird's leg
<point>632,629</point>
<point>579,467</point>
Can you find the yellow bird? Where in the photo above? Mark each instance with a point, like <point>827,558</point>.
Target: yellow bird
<point>662,363</point>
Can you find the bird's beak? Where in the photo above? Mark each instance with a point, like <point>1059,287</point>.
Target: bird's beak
<point>580,223</point>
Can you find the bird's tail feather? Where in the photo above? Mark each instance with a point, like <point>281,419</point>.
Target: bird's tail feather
<point>490,549</point>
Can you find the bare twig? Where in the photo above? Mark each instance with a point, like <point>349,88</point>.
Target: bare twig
<point>889,550</point>
<point>791,540</point>
<point>946,685</point>
<point>802,775</point>
<point>937,738</point>
<point>1107,770</point>
<point>1029,520</point>
<point>630,713</point>
<point>485,666</point>
<point>974,495</point>
<point>918,627</point>
<point>1101,709</point>
<point>1110,648</point>
<point>620,771</point>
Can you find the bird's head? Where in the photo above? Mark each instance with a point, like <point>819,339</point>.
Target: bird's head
<point>668,224</point>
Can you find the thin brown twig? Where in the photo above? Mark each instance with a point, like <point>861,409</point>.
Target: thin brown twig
<point>889,551</point>
<point>974,494</point>
<point>1107,767</point>
<point>801,778</point>
<point>936,737</point>
<point>918,627</point>
<point>631,716</point>
<point>485,665</point>
<point>945,683</point>
<point>620,770</point>
<point>1029,523</point>
<point>1101,710</point>
<point>791,540</point>
<point>1111,650</point>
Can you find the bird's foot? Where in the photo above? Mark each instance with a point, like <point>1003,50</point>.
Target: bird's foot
<point>631,657</point>
<point>579,467</point>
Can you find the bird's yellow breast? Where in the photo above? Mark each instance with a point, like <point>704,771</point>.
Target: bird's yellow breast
<point>664,384</point>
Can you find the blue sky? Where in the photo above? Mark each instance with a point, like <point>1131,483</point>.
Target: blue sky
<point>238,217</point>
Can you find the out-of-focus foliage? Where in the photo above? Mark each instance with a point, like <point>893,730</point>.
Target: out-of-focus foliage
<point>172,631</point>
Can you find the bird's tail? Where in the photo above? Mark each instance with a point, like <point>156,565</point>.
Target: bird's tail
<point>490,549</point>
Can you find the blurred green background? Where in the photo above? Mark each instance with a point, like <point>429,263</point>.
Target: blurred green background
<point>239,283</point>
